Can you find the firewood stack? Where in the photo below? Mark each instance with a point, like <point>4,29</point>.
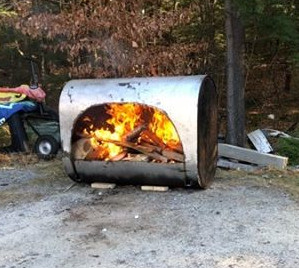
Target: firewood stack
<point>141,144</point>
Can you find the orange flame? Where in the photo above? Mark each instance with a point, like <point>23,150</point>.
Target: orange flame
<point>164,129</point>
<point>124,119</point>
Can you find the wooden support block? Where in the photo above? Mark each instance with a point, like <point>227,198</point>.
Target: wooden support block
<point>154,188</point>
<point>252,156</point>
<point>98,185</point>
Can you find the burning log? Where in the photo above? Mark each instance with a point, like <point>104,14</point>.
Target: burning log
<point>147,135</point>
<point>153,147</point>
<point>142,149</point>
<point>172,155</point>
<point>119,157</point>
<point>178,148</point>
<point>135,133</point>
<point>82,149</point>
<point>134,146</point>
<point>140,139</point>
<point>159,146</point>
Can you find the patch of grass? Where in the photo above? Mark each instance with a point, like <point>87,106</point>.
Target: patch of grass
<point>286,180</point>
<point>289,147</point>
<point>18,160</point>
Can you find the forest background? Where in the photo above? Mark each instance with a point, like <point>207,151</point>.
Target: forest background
<point>109,38</point>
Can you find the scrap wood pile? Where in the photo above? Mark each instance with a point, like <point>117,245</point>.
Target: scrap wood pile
<point>234,157</point>
<point>141,144</point>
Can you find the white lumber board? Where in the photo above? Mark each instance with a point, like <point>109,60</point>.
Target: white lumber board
<point>223,163</point>
<point>251,156</point>
<point>260,141</point>
<point>154,188</point>
<point>99,185</point>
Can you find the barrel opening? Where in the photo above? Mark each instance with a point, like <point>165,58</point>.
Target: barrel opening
<point>126,132</point>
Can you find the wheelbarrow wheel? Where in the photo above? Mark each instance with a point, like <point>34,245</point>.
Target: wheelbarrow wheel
<point>46,147</point>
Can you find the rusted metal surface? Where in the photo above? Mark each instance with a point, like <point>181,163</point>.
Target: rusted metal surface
<point>126,172</point>
<point>178,97</point>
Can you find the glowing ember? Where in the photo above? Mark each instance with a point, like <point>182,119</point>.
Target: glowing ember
<point>125,125</point>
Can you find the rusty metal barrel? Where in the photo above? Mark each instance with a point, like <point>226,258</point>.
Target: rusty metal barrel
<point>190,102</point>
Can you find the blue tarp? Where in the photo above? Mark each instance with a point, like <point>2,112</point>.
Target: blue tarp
<point>8,109</point>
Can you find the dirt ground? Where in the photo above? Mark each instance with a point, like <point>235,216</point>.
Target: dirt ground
<point>243,220</point>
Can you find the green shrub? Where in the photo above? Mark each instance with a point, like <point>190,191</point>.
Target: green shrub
<point>288,147</point>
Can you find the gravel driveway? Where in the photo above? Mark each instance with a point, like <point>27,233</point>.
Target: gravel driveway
<point>241,221</point>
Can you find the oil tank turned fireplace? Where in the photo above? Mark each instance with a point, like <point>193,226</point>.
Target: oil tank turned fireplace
<point>146,131</point>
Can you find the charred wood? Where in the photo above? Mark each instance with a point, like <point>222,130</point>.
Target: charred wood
<point>135,133</point>
<point>178,148</point>
<point>137,157</point>
<point>142,149</point>
<point>171,155</point>
<point>119,157</point>
<point>147,135</point>
<point>153,147</point>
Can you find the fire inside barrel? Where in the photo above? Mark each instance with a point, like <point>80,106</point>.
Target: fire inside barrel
<point>127,132</point>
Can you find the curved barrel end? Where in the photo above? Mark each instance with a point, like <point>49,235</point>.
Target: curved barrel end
<point>207,131</point>
<point>70,169</point>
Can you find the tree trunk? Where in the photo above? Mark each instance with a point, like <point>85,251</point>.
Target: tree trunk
<point>235,37</point>
<point>288,79</point>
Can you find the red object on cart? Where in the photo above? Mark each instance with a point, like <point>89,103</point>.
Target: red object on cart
<point>36,94</point>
